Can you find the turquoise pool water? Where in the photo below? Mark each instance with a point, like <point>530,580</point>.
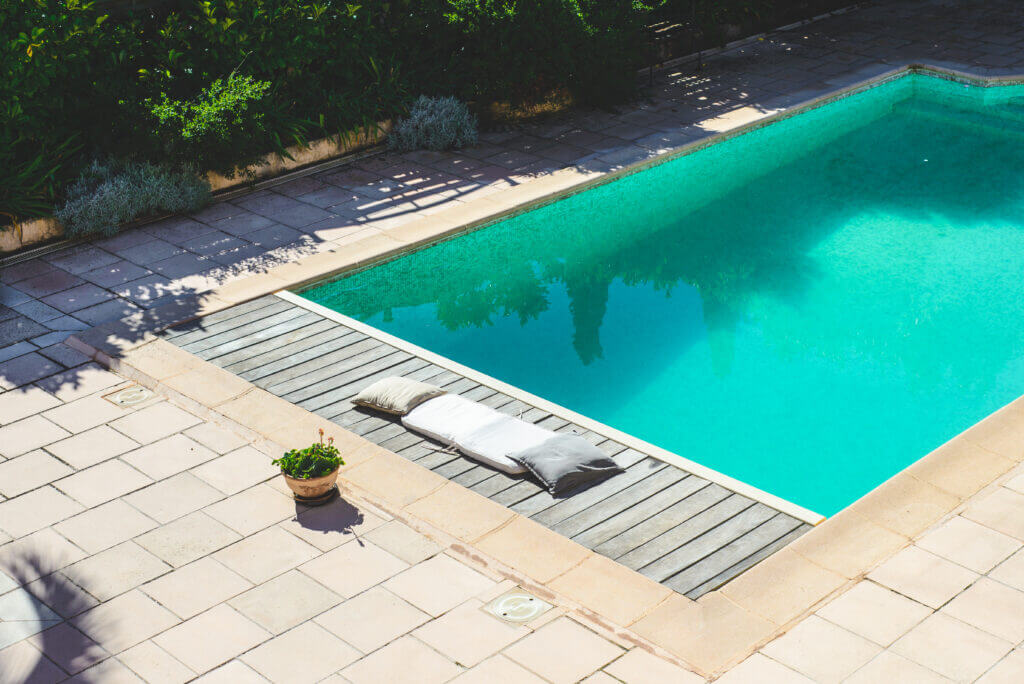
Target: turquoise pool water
<point>808,307</point>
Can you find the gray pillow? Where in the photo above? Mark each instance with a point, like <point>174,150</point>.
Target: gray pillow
<point>565,462</point>
<point>396,395</point>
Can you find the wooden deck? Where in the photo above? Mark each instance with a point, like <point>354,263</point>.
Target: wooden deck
<point>679,529</point>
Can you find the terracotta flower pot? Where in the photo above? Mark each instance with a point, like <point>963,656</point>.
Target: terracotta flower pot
<point>315,490</point>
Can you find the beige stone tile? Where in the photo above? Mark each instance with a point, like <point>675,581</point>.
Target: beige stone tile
<point>216,438</point>
<point>874,613</point>
<point>923,576</point>
<point>951,648</point>
<point>498,670</point>
<point>405,661</point>
<point>187,538</point>
<point>402,541</point>
<point>889,667</point>
<point>905,505</point>
<point>544,651</point>
<point>110,671</point>
<point>285,601</point>
<point>307,653</point>
<point>782,586</point>
<point>234,672</point>
<point>103,482</point>
<point>437,585</point>
<point>211,638</point>
<point>266,554</point>
<point>992,607</point>
<point>468,635</point>
<point>61,594</point>
<point>24,402</point>
<point>460,512</point>
<point>116,570</point>
<point>68,647</point>
<point>394,479</point>
<point>23,663</point>
<point>196,587</point>
<point>237,470</point>
<point>38,554</point>
<point>821,650</point>
<point>33,511</point>
<point>82,414</point>
<point>960,467</point>
<point>28,471</point>
<point>124,621</point>
<point>611,589</point>
<point>91,447</point>
<point>354,567</point>
<point>174,497</point>
<point>154,422</point>
<point>259,410</point>
<point>208,384</point>
<point>154,664</point>
<point>969,544</point>
<point>533,549</point>
<point>79,382</point>
<point>1009,670</point>
<point>762,670</point>
<point>168,456</point>
<point>600,677</point>
<point>327,527</point>
<point>161,360</point>
<point>1002,510</point>
<point>254,509</point>
<point>848,543</point>
<point>28,434</point>
<point>104,526</point>
<point>1001,432</point>
<point>372,619</point>
<point>638,666</point>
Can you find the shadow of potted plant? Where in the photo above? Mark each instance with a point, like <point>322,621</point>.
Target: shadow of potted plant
<point>312,472</point>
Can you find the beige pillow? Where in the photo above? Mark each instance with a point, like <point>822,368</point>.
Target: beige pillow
<point>396,395</point>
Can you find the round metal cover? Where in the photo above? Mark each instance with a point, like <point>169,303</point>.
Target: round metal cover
<point>518,606</point>
<point>130,396</point>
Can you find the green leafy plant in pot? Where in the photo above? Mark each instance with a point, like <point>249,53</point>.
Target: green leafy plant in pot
<point>311,473</point>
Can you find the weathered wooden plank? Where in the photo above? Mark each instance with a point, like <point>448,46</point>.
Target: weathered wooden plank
<point>456,467</point>
<point>255,343</point>
<point>310,361</point>
<point>207,328</point>
<point>241,332</point>
<point>280,347</point>
<point>523,490</point>
<point>685,532</point>
<point>473,476</point>
<point>316,378</point>
<point>707,543</point>
<point>548,510</point>
<point>655,526</point>
<point>727,556</point>
<point>747,563</point>
<point>639,512</point>
<point>577,522</point>
<point>201,324</point>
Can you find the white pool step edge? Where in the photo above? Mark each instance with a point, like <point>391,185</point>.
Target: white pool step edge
<point>738,486</point>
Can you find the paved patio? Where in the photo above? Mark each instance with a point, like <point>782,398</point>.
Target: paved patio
<point>129,536</point>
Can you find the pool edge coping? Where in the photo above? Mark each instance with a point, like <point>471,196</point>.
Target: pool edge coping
<point>764,601</point>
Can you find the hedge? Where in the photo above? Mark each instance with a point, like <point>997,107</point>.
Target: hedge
<point>218,83</point>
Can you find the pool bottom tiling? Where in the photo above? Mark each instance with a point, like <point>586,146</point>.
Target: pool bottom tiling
<point>684,531</point>
<point>808,307</point>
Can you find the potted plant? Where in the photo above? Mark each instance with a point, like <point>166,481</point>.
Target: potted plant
<point>311,473</point>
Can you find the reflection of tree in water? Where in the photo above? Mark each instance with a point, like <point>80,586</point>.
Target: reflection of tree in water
<point>755,241</point>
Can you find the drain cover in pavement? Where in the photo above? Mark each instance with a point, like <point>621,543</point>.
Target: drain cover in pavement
<point>129,396</point>
<point>518,606</point>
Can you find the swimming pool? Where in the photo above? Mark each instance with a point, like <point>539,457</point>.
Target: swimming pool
<point>808,307</point>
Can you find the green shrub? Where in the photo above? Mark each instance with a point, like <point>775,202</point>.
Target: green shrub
<point>316,460</point>
<point>222,129</point>
<point>434,123</point>
<point>107,195</point>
